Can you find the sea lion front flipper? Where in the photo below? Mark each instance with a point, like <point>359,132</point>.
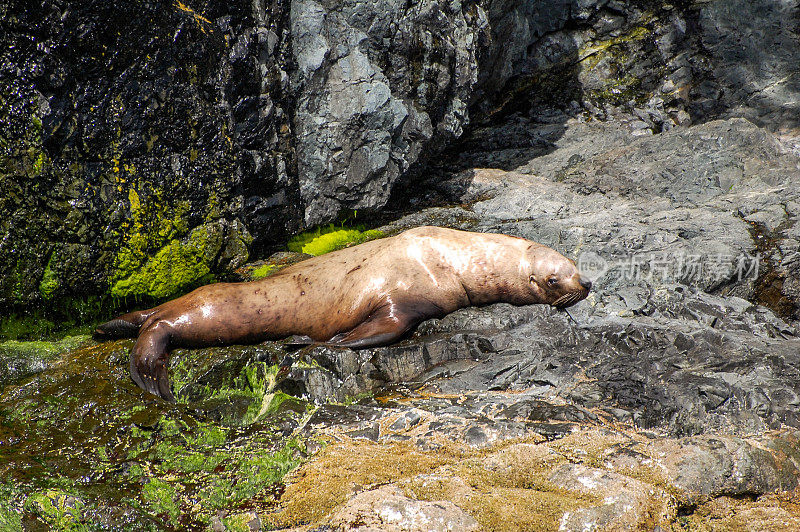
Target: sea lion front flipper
<point>149,361</point>
<point>386,325</point>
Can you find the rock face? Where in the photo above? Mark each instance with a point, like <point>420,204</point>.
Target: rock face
<point>155,149</point>
<point>665,339</point>
<point>376,84</point>
<point>667,63</point>
<point>138,163</point>
<point>202,133</point>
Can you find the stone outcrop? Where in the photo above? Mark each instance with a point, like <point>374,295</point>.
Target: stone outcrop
<point>206,134</point>
<point>203,134</point>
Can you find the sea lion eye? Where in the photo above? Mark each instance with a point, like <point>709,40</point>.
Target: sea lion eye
<point>552,281</point>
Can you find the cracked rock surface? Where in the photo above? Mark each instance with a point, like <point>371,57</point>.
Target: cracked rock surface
<point>676,347</point>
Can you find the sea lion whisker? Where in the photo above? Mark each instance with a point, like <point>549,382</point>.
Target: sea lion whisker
<point>560,300</point>
<point>567,299</point>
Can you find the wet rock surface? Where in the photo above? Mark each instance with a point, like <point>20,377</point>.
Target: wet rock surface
<point>661,341</point>
<point>667,398</point>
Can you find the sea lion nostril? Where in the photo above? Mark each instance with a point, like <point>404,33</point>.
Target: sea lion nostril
<point>586,284</point>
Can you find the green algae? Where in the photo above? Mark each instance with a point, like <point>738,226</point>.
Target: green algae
<point>10,519</point>
<point>176,266</point>
<point>162,498</point>
<point>262,271</point>
<point>183,476</point>
<point>40,349</point>
<point>88,450</point>
<point>592,53</point>
<point>237,523</point>
<point>616,53</point>
<point>13,327</point>
<point>152,226</point>
<point>254,388</point>
<point>331,238</point>
<point>22,358</point>
<point>60,510</point>
<point>50,281</point>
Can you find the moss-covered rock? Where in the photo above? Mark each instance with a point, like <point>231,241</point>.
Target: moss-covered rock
<point>87,449</point>
<point>60,510</point>
<point>176,266</point>
<point>105,176</point>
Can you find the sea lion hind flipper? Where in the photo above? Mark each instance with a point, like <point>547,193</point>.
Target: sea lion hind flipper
<point>149,362</point>
<point>114,329</point>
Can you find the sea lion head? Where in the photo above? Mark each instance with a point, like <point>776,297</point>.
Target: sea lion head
<point>555,279</point>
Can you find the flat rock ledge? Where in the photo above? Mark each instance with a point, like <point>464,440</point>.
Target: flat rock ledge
<point>591,478</point>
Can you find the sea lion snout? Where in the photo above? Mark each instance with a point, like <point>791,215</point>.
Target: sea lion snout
<point>587,284</point>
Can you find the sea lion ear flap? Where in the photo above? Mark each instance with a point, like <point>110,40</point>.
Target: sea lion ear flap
<point>535,288</point>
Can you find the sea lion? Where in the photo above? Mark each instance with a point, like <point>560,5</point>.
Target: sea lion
<point>363,296</point>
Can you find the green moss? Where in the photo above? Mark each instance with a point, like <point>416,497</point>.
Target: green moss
<point>39,159</point>
<point>237,523</point>
<point>40,349</point>
<point>10,519</point>
<point>622,87</point>
<point>262,271</point>
<point>354,399</point>
<point>21,326</point>
<point>591,53</point>
<point>153,227</point>
<point>58,509</point>
<point>264,469</point>
<point>50,282</point>
<point>207,436</point>
<point>161,498</point>
<point>176,266</point>
<point>162,466</point>
<point>324,240</point>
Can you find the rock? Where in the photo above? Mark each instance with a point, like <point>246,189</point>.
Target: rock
<point>224,129</point>
<point>667,64</point>
<point>652,143</point>
<point>626,504</point>
<point>387,83</point>
<point>665,340</point>
<point>206,134</point>
<point>388,509</point>
<point>711,466</point>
